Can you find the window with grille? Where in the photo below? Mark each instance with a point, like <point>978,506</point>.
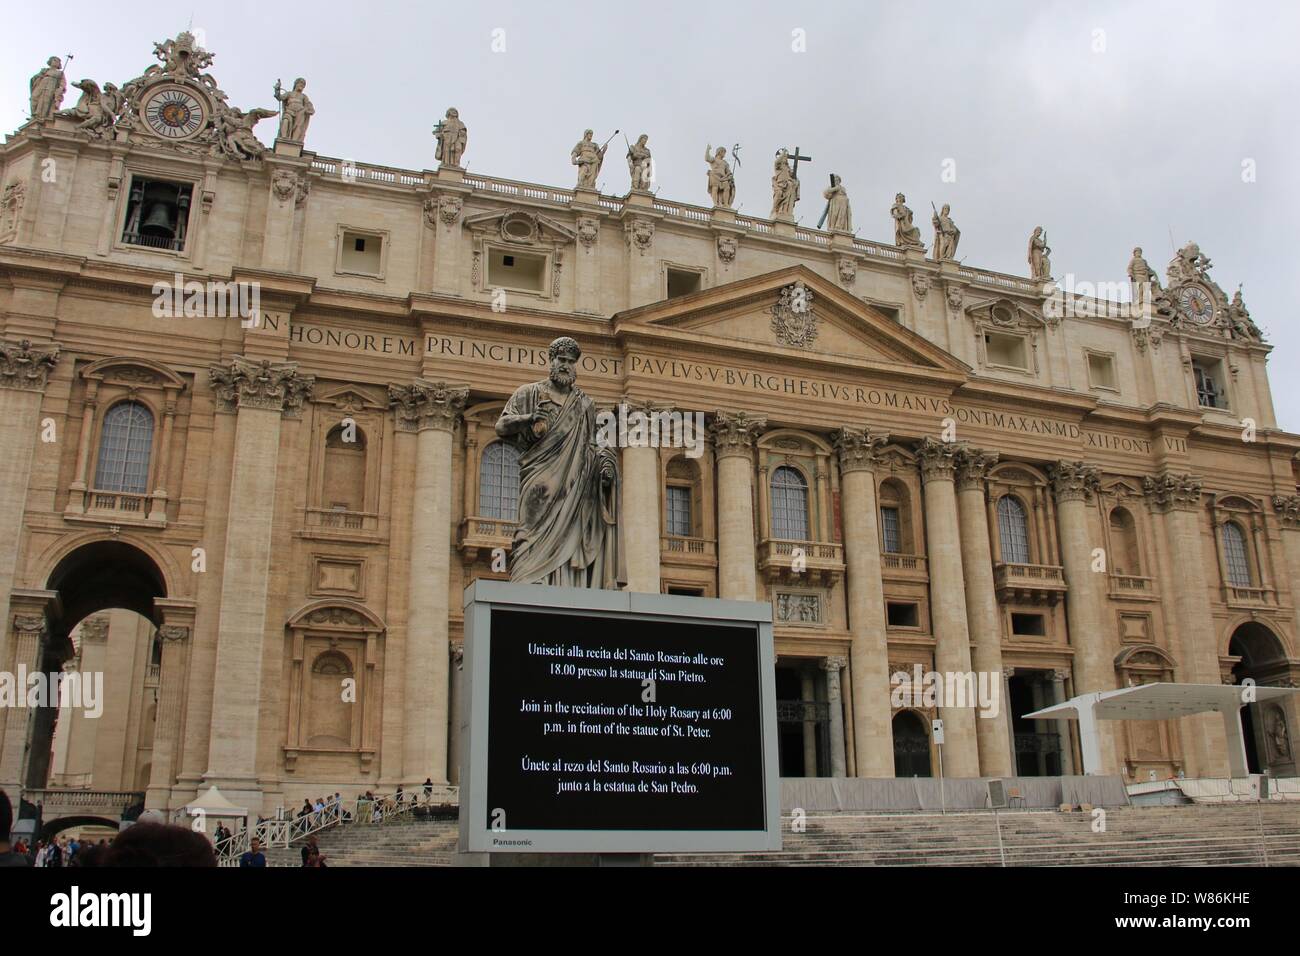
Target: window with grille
<point>891,530</point>
<point>1013,530</point>
<point>1234,550</point>
<point>789,504</point>
<point>1208,394</point>
<point>124,447</point>
<point>498,488</point>
<point>679,510</point>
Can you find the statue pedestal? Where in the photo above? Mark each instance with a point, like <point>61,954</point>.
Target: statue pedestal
<point>451,174</point>
<point>842,241</point>
<point>287,147</point>
<point>598,726</point>
<point>723,214</point>
<point>784,226</point>
<point>639,197</point>
<point>586,197</point>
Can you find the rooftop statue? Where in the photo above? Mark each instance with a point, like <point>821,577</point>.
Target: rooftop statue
<point>722,184</point>
<point>296,111</point>
<point>452,136</point>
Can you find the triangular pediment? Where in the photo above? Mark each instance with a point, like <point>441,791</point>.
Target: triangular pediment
<point>761,313</point>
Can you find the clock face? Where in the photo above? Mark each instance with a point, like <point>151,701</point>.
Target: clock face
<point>175,113</point>
<point>1196,304</point>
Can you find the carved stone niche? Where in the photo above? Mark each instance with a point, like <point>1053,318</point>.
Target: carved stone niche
<point>1007,333</point>
<point>335,650</point>
<point>519,251</point>
<point>106,384</point>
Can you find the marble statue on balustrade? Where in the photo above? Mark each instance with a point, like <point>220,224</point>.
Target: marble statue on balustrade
<point>905,234</point>
<point>568,532</point>
<point>296,111</point>
<point>722,184</point>
<point>1040,266</point>
<point>785,187</point>
<point>639,165</point>
<point>839,217</point>
<point>946,234</point>
<point>47,89</point>
<point>588,157</point>
<point>1143,280</point>
<point>452,137</point>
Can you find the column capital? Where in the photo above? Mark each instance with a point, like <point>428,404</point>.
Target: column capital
<point>1288,510</point>
<point>1060,674</point>
<point>938,459</point>
<point>1074,480</point>
<point>1172,492</point>
<point>1008,672</point>
<point>643,405</point>
<point>734,433</point>
<point>858,448</point>
<point>277,386</point>
<point>423,404</point>
<point>973,466</point>
<point>174,633</point>
<point>25,367</point>
<point>834,664</point>
<point>94,629</point>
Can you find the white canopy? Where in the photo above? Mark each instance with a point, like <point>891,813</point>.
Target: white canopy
<point>212,802</point>
<point>1161,702</point>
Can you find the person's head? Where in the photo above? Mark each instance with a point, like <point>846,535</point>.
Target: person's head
<point>255,845</point>
<point>835,179</point>
<point>1137,252</point>
<point>452,113</point>
<point>157,844</point>
<point>564,353</point>
<point>6,818</point>
<point>641,140</point>
<point>55,62</point>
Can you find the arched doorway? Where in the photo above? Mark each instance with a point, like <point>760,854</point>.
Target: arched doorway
<point>98,576</point>
<point>1266,728</point>
<point>911,745</point>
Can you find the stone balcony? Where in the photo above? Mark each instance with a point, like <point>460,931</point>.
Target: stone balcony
<point>1133,587</point>
<point>904,567</point>
<point>1028,583</point>
<point>117,507</point>
<point>337,524</point>
<point>680,549</point>
<point>807,561</point>
<point>479,536</point>
<point>1248,597</point>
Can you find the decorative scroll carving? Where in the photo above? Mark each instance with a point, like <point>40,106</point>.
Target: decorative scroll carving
<point>25,367</point>
<point>1074,480</point>
<point>938,459</point>
<point>422,405</point>
<point>1169,491</point>
<point>734,433</point>
<point>265,384</point>
<point>858,448</point>
<point>973,466</point>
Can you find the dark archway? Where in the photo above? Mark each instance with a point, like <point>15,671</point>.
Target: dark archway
<point>911,745</point>
<point>54,827</point>
<point>93,577</point>
<point>1263,660</point>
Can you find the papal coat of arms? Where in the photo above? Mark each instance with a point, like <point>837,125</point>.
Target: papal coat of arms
<point>793,320</point>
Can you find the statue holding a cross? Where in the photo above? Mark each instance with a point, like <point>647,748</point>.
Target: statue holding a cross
<point>785,183</point>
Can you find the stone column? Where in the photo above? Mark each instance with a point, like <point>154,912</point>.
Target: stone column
<point>26,631</point>
<point>1074,483</point>
<point>1177,500</point>
<point>948,600</point>
<point>983,617</point>
<point>833,666</point>
<point>24,369</point>
<point>734,434</point>
<point>259,393</point>
<point>868,647</point>
<point>1007,674</point>
<point>431,410</point>
<point>808,698</point>
<point>167,725</point>
<point>640,504</point>
<point>1063,726</point>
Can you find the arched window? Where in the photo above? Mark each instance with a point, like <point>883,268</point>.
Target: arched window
<point>345,469</point>
<point>498,487</point>
<point>124,446</point>
<point>330,717</point>
<point>895,518</point>
<point>1013,530</point>
<point>1123,543</point>
<point>1234,553</point>
<point>681,507</point>
<point>789,504</point>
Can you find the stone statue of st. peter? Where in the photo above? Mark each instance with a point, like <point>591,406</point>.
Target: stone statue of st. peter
<point>568,485</point>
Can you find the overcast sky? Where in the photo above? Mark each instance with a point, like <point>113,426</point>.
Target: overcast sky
<point>1112,124</point>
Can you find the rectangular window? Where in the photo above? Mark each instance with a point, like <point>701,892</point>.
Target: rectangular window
<point>1209,393</point>
<point>1101,371</point>
<point>679,510</point>
<point>516,270</point>
<point>1005,350</point>
<point>902,615</point>
<point>157,214</point>
<point>1029,625</point>
<point>683,282</point>
<point>891,530</point>
<point>361,253</point>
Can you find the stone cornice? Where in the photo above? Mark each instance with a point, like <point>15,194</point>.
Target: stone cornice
<point>269,385</point>
<point>1074,480</point>
<point>422,405</point>
<point>938,459</point>
<point>26,367</point>
<point>858,448</point>
<point>1172,492</point>
<point>973,466</point>
<point>734,433</point>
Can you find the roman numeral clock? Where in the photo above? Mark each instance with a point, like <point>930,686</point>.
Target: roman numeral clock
<point>174,113</point>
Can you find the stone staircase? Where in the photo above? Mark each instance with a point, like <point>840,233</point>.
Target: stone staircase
<point>1222,835</point>
<point>1242,835</point>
